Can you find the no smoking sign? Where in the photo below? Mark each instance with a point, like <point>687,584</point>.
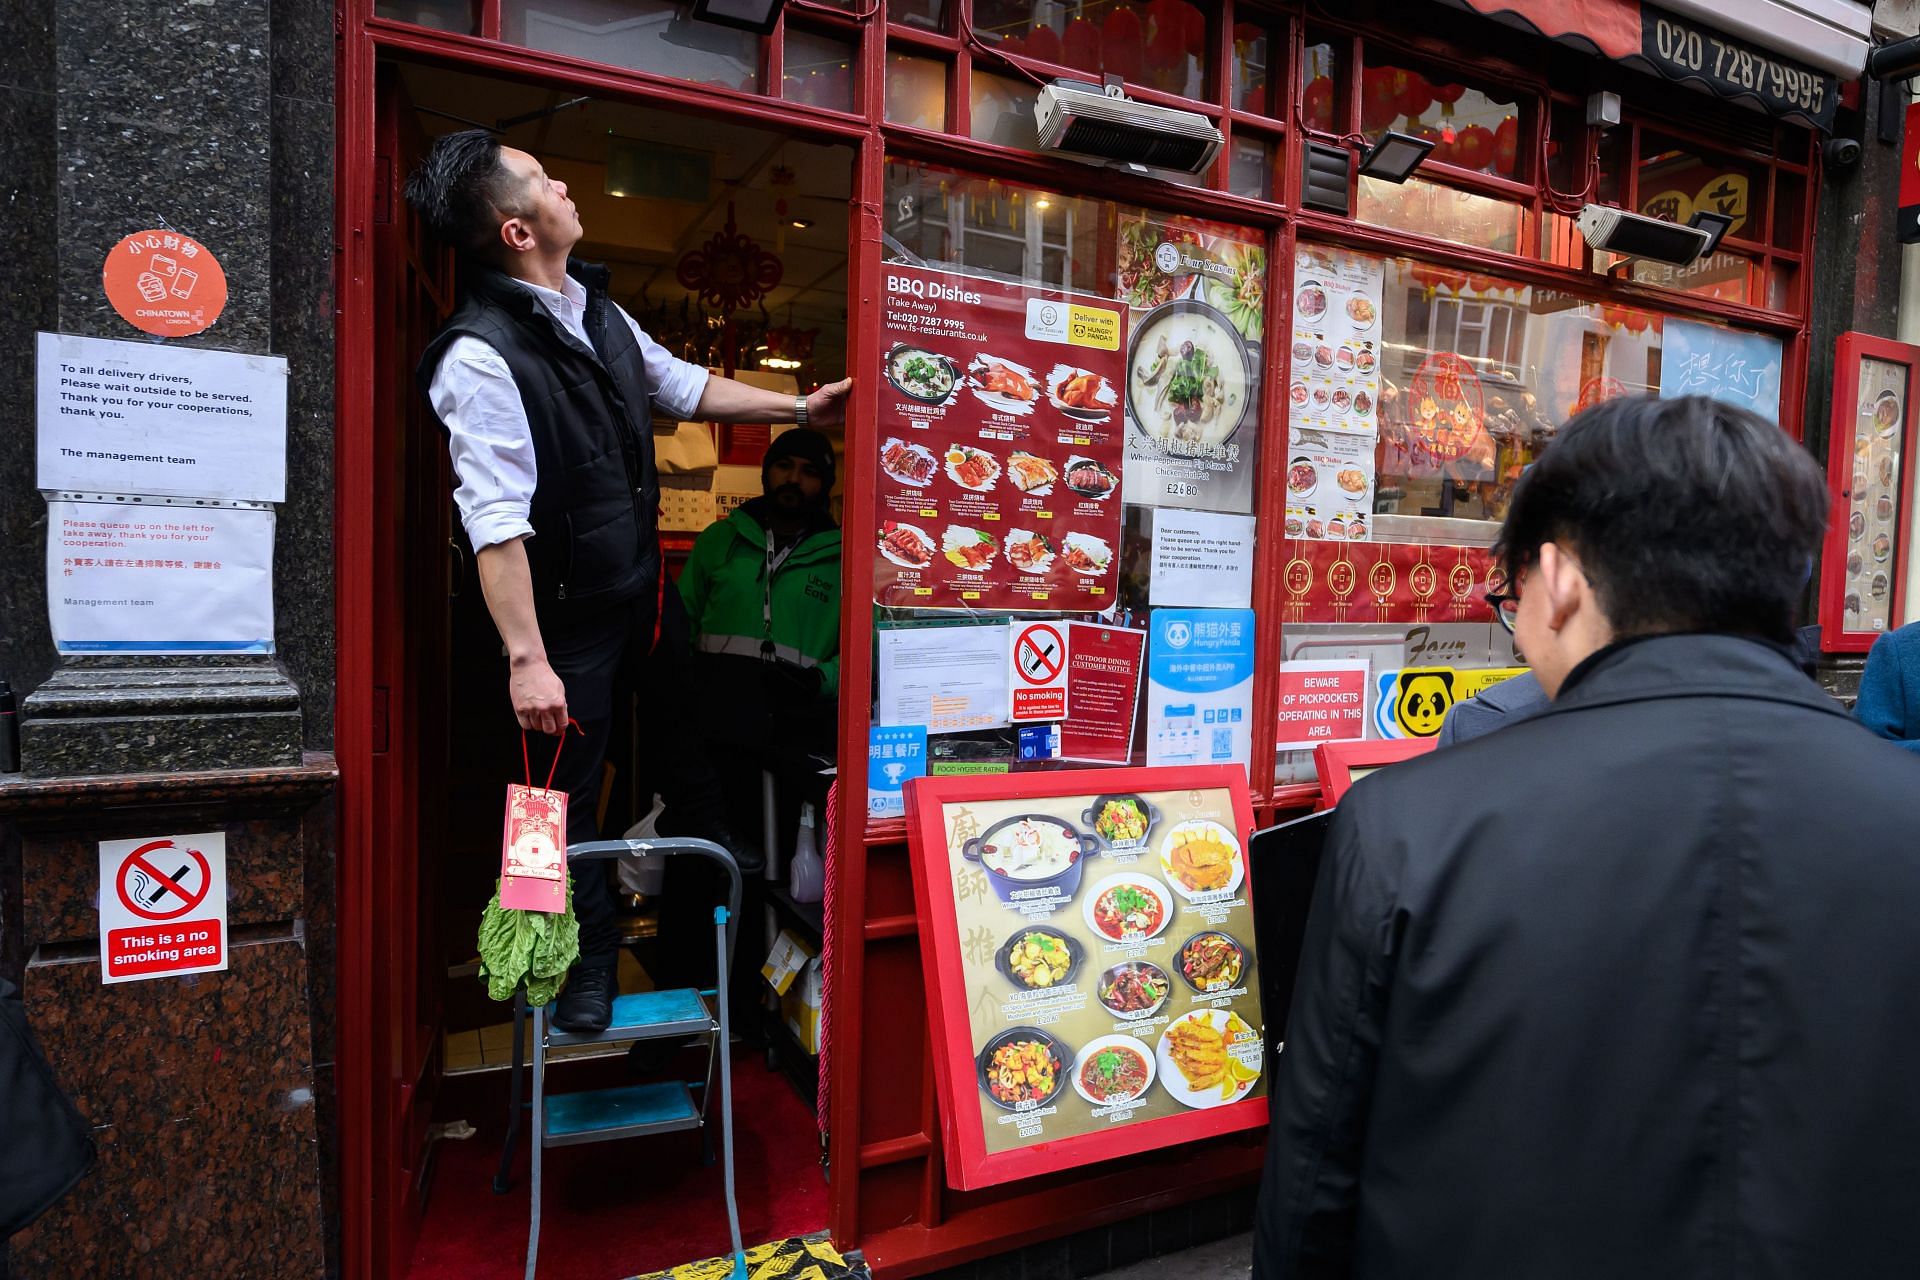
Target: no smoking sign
<point>163,906</point>
<point>1039,672</point>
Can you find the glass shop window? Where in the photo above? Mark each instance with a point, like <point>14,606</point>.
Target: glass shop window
<point>1068,435</point>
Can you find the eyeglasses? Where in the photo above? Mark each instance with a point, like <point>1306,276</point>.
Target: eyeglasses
<point>1505,605</point>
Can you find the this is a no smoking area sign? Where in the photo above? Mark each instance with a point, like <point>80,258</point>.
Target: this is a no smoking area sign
<point>1039,672</point>
<point>163,906</point>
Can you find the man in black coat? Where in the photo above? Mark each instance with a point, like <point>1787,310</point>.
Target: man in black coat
<point>1625,989</point>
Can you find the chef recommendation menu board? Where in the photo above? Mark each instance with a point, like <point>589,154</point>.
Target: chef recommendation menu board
<point>1088,938</point>
<point>1000,445</point>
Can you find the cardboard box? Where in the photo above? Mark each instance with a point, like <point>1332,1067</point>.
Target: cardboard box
<point>786,961</point>
<point>800,1005</point>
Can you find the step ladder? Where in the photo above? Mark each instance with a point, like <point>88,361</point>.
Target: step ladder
<point>632,1111</point>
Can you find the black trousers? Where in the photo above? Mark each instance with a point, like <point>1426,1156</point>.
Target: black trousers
<point>596,658</point>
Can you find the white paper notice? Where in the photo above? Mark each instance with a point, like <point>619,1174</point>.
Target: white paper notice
<point>947,678</point>
<point>159,579</point>
<point>1201,559</point>
<point>140,417</point>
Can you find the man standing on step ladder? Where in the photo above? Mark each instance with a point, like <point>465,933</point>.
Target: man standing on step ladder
<point>547,389</point>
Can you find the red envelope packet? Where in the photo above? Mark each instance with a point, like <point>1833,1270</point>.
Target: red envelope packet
<point>533,844</point>
<point>533,850</point>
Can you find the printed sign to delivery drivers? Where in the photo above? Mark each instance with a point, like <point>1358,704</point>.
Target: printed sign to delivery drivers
<point>163,906</point>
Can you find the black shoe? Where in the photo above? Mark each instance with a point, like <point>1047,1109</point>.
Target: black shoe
<point>585,1006</point>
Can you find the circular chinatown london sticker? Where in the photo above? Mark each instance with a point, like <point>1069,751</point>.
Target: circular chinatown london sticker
<point>165,283</point>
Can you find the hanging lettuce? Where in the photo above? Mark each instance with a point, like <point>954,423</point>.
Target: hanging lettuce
<point>534,945</point>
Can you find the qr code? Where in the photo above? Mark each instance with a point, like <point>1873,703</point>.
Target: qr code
<point>1223,744</point>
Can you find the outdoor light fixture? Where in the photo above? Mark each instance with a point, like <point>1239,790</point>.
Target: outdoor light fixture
<point>1714,224</point>
<point>800,224</point>
<point>757,16</point>
<point>1635,235</point>
<point>1395,156</point>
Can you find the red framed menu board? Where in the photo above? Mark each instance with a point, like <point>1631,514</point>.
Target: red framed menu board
<point>1000,438</point>
<point>1089,942</point>
<point>1870,469</point>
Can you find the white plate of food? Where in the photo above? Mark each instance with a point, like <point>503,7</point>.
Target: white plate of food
<point>1029,552</point>
<point>1310,300</point>
<point>1114,1070</point>
<point>1202,859</point>
<point>971,468</point>
<point>1302,477</point>
<point>1208,1058</point>
<point>1086,554</point>
<point>1127,907</point>
<point>1361,312</point>
<point>909,463</point>
<point>907,545</point>
<point>1081,393</point>
<point>968,548</point>
<point>1005,385</point>
<point>1030,473</point>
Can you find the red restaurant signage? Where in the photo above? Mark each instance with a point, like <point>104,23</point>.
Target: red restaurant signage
<point>1000,446</point>
<point>1385,582</point>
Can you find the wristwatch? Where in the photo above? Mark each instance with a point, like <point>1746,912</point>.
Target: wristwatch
<point>799,411</point>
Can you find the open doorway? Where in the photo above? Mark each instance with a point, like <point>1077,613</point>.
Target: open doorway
<point>672,204</point>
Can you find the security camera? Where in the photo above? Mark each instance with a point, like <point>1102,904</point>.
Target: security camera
<point>1841,153</point>
<point>1895,61</point>
<point>1635,235</point>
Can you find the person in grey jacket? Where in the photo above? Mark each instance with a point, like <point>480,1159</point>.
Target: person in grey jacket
<point>1492,708</point>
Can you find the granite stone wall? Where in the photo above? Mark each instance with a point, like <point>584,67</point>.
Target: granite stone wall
<point>215,118</point>
<point>212,1095</point>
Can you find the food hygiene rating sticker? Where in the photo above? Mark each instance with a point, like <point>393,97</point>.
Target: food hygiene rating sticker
<point>1077,325</point>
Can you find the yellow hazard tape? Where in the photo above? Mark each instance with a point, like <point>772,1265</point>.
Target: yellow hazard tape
<point>775,1260</point>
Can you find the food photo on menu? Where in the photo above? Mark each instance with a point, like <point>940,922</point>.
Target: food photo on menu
<point>1196,293</point>
<point>1102,956</point>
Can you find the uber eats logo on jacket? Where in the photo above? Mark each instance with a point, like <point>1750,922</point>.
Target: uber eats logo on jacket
<point>818,588</point>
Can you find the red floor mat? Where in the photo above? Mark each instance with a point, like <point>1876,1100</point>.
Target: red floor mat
<point>618,1209</point>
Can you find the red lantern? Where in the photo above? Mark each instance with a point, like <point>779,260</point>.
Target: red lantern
<point>1379,100</point>
<point>1446,95</point>
<point>1506,148</point>
<point>1481,284</point>
<point>1412,93</point>
<point>1636,322</point>
<point>1082,45</point>
<point>1443,139</point>
<point>1195,27</point>
<point>1452,281</point>
<point>1473,149</point>
<point>1013,45</point>
<point>1043,42</point>
<point>1318,104</point>
<point>1124,41</point>
<point>1613,317</point>
<point>1167,44</point>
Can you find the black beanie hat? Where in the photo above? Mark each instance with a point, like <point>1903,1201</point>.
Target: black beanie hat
<point>801,442</point>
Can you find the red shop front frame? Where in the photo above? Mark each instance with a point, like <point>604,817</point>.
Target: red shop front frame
<point>1870,476</point>
<point>969,1164</point>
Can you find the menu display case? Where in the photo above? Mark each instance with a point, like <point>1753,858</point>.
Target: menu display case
<point>1090,937</point>
<point>1869,468</point>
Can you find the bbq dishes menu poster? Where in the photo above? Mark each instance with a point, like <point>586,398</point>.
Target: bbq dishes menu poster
<point>1091,961</point>
<point>1000,446</point>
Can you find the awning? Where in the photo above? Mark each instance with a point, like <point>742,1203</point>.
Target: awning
<point>1787,56</point>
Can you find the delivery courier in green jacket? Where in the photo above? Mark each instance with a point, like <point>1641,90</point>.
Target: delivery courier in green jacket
<point>762,589</point>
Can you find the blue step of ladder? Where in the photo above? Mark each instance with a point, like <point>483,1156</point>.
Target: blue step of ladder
<point>644,1015</point>
<point>597,1115</point>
